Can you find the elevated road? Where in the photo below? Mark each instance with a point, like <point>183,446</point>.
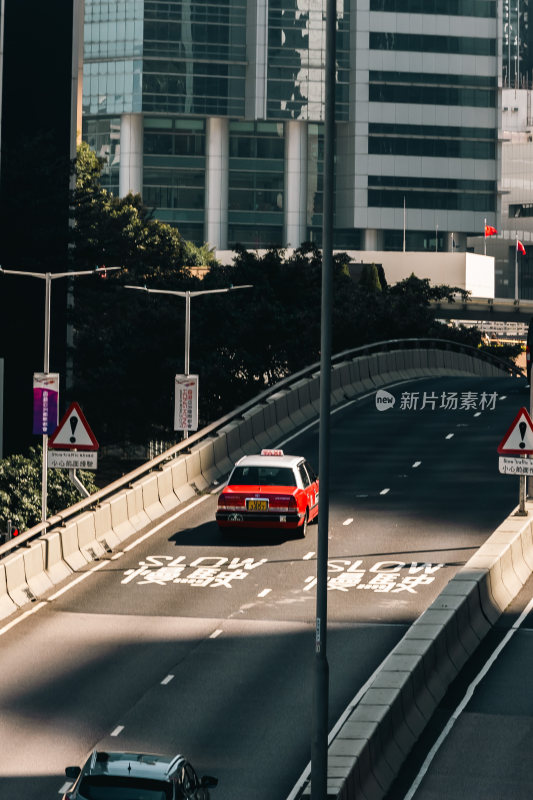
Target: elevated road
<point>182,640</point>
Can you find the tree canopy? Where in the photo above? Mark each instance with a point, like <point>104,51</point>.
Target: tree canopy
<point>129,345</point>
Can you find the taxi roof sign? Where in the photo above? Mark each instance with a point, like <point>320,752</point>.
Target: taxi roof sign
<point>519,438</point>
<point>73,432</point>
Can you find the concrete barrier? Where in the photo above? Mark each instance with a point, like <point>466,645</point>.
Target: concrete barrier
<point>89,545</point>
<point>123,527</point>
<point>16,584</point>
<point>37,579</point>
<point>56,567</point>
<point>7,605</point>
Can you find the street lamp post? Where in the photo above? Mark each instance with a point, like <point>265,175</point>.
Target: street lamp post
<point>187,295</point>
<point>48,277</point>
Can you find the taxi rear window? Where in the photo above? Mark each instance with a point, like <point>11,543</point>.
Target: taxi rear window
<point>263,476</point>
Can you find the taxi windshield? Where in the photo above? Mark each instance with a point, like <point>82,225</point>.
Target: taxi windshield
<point>263,476</point>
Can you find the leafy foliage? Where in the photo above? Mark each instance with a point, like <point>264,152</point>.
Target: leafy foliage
<point>21,489</point>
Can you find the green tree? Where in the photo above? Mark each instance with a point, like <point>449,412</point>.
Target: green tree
<point>21,489</point>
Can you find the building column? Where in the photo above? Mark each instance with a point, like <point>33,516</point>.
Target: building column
<point>372,239</point>
<point>295,201</point>
<point>131,154</point>
<point>216,183</point>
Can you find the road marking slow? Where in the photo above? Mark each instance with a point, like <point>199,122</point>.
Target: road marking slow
<point>118,730</point>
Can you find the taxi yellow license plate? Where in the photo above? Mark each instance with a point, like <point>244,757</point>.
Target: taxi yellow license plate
<point>257,505</point>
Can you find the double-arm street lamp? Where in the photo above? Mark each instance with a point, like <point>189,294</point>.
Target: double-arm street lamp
<point>187,295</point>
<point>48,277</point>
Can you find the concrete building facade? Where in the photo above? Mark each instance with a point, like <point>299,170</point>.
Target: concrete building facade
<point>214,111</point>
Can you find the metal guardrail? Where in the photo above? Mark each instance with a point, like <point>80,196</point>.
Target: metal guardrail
<point>183,447</point>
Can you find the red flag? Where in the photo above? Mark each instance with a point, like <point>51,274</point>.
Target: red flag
<point>490,231</point>
<point>520,247</point>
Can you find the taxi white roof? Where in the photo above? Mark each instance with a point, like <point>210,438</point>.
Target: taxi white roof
<point>269,461</point>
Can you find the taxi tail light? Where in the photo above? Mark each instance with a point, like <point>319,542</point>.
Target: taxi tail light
<point>292,505</point>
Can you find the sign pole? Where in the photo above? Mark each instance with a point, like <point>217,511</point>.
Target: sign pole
<point>44,481</point>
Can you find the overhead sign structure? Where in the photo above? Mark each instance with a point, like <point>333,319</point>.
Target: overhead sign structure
<point>73,432</point>
<point>518,440</point>
<point>186,403</point>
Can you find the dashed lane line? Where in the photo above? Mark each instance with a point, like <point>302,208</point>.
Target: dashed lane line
<point>118,730</point>
<point>264,592</point>
<point>348,521</point>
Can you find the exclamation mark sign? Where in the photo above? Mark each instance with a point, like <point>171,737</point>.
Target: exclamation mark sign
<point>523,428</point>
<point>74,421</point>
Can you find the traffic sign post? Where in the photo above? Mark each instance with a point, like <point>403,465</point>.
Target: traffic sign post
<point>518,441</point>
<point>73,446</point>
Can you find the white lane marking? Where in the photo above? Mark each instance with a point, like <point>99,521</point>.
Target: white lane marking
<point>264,592</point>
<point>216,633</point>
<point>117,555</point>
<point>450,436</point>
<point>118,730</point>
<point>385,491</point>
<point>348,521</point>
<point>502,397</point>
<point>167,680</point>
<point>308,556</point>
<point>466,699</point>
<point>77,580</point>
<point>14,622</point>
<point>416,464</point>
<point>66,786</point>
<point>477,414</point>
<point>361,496</point>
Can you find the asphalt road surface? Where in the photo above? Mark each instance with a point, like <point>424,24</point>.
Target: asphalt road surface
<point>188,641</point>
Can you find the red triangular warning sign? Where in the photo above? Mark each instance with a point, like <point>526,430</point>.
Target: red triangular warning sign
<point>519,438</point>
<point>73,432</point>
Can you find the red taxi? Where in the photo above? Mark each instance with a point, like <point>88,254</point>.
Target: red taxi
<point>270,490</point>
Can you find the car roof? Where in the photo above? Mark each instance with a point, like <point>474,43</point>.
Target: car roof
<point>269,461</point>
<point>134,765</point>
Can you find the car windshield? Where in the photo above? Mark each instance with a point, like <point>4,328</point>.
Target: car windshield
<point>263,476</point>
<point>106,787</point>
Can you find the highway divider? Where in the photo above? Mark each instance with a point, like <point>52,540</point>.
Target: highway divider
<point>89,531</point>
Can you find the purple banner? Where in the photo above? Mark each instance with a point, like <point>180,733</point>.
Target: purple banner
<point>45,403</point>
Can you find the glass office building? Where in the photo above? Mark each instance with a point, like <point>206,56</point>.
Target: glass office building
<point>214,110</point>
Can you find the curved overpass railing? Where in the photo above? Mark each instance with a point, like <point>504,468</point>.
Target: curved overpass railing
<point>210,453</point>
